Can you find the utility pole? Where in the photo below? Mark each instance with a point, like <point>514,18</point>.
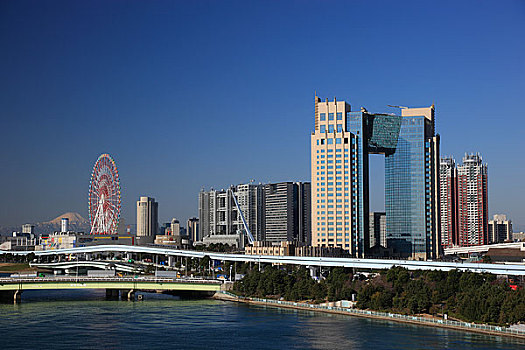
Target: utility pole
<point>77,267</point>
<point>156,263</point>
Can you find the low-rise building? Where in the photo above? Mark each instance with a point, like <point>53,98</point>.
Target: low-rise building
<point>57,240</point>
<point>506,255</point>
<point>293,249</point>
<point>518,236</point>
<point>267,248</point>
<point>19,242</point>
<point>175,241</point>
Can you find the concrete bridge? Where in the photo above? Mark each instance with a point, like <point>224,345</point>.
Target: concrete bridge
<point>12,288</point>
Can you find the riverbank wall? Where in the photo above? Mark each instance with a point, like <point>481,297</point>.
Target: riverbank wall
<point>417,320</point>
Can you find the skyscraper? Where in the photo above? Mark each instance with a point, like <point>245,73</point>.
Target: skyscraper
<point>287,212</point>
<point>281,220</point>
<point>305,218</point>
<point>472,202</point>
<point>412,187</point>
<point>334,211</point>
<point>448,195</point>
<point>193,229</point>
<point>175,227</point>
<point>340,146</point>
<point>147,219</point>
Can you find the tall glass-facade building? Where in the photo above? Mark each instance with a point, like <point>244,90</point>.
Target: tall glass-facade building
<point>340,190</point>
<point>412,187</point>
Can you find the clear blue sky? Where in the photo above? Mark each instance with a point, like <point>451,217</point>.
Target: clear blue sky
<point>191,94</point>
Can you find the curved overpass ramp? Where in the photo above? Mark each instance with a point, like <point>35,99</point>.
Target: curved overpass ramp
<point>104,265</point>
<point>499,269</point>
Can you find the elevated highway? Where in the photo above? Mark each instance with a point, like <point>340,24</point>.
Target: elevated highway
<point>499,269</point>
<point>484,248</point>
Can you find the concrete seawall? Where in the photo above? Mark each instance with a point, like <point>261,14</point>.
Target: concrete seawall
<point>364,313</point>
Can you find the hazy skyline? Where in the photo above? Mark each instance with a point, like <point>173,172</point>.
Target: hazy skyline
<point>191,95</point>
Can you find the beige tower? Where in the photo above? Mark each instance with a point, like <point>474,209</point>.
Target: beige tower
<point>331,189</point>
<point>147,218</point>
<point>175,227</point>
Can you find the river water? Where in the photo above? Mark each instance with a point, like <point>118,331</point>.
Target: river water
<point>83,319</point>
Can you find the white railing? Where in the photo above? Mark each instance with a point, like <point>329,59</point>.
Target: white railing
<point>423,320</point>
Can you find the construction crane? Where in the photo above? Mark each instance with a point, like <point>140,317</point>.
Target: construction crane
<point>402,107</point>
<point>248,232</point>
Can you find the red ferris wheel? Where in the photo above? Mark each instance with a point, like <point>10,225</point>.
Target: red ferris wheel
<point>104,196</point>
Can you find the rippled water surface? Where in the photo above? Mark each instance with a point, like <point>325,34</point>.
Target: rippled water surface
<point>84,320</point>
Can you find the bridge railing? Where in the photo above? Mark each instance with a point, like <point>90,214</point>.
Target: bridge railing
<point>15,280</point>
<point>387,315</point>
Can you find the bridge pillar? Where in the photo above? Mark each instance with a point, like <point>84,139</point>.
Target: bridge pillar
<point>10,296</point>
<point>128,294</point>
<point>170,261</point>
<point>17,296</point>
<point>314,271</point>
<point>112,294</point>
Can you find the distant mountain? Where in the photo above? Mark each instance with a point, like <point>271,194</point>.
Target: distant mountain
<point>74,218</point>
<point>76,223</point>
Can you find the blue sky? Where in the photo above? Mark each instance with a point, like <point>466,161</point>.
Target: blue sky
<point>197,94</point>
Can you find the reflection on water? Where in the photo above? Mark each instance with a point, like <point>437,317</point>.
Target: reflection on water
<point>84,319</point>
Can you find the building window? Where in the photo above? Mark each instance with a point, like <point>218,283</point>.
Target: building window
<point>323,128</point>
<point>330,141</point>
<point>339,116</point>
<point>330,116</point>
<point>339,127</point>
<point>330,128</point>
<point>338,141</point>
<point>322,116</point>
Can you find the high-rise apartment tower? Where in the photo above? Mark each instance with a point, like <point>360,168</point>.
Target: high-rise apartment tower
<point>448,194</point>
<point>472,202</point>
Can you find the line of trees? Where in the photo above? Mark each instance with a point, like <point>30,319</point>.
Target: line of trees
<point>467,296</point>
<point>16,258</point>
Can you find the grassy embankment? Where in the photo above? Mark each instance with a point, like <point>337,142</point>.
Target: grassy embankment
<point>16,267</point>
